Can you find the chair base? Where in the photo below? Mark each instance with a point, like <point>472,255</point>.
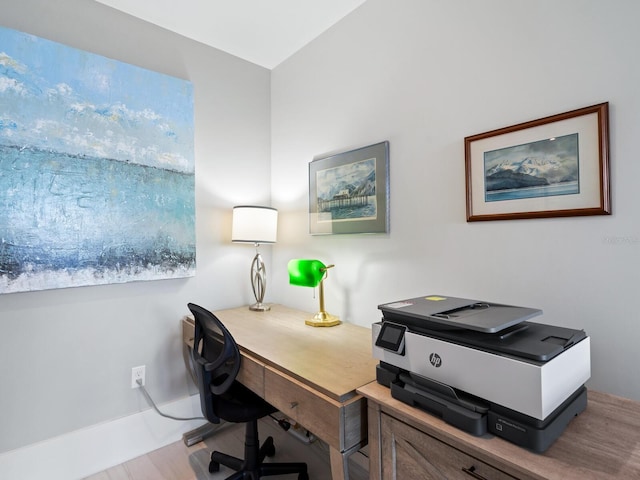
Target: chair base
<point>252,466</point>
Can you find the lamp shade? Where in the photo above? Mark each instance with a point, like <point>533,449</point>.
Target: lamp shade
<point>253,224</point>
<point>306,273</point>
<point>312,273</point>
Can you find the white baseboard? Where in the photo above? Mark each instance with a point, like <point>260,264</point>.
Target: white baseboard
<point>84,452</point>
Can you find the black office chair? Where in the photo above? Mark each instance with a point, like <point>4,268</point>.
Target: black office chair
<point>216,358</point>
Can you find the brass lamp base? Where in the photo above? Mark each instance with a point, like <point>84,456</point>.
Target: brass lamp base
<point>323,319</point>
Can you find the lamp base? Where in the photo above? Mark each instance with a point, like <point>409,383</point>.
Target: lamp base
<point>259,307</point>
<point>323,319</point>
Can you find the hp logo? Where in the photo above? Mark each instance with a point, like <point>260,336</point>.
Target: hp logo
<point>435,360</point>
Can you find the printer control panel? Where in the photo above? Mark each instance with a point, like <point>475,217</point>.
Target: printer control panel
<point>391,337</point>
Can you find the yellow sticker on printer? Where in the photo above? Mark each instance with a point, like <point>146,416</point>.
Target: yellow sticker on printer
<point>435,298</point>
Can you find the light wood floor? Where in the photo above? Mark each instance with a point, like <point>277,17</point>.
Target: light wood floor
<point>179,462</point>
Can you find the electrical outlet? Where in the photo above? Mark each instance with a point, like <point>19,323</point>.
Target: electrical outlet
<point>137,373</point>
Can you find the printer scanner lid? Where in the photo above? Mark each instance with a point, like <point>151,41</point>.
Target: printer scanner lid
<point>439,311</point>
<point>490,327</point>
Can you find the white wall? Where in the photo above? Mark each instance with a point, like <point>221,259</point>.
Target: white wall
<point>424,74</point>
<point>66,355</point>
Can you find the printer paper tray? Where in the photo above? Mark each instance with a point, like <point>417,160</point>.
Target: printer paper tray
<point>528,432</point>
<point>472,422</point>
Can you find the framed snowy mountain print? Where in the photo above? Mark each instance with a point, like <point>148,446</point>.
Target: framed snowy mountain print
<point>556,166</point>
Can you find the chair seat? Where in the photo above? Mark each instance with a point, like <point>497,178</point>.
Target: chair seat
<point>240,405</point>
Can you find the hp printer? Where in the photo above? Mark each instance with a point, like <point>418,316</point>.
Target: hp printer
<point>483,367</point>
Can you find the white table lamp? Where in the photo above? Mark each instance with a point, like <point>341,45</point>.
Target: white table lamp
<point>257,225</point>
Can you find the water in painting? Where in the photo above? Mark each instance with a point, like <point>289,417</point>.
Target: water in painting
<point>96,169</point>
<point>348,192</point>
<point>543,168</point>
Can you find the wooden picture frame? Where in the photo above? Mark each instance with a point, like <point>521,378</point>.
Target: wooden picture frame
<point>349,192</point>
<point>556,166</point>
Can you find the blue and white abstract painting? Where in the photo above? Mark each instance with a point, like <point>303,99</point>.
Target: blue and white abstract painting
<point>96,169</point>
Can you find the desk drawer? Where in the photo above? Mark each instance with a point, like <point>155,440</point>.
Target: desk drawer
<point>317,412</point>
<point>188,331</point>
<point>341,425</point>
<point>251,374</point>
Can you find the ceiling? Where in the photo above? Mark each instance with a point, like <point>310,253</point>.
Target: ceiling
<point>264,32</point>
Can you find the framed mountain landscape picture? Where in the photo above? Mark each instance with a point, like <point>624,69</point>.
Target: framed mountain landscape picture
<point>556,166</point>
<point>349,191</point>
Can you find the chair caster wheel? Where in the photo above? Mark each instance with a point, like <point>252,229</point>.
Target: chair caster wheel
<point>214,467</point>
<point>269,448</point>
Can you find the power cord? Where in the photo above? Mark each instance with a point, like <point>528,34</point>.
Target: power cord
<point>150,400</point>
<point>284,424</point>
<point>302,434</point>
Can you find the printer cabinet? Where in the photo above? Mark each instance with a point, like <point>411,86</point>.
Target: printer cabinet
<point>409,453</point>
<point>603,442</point>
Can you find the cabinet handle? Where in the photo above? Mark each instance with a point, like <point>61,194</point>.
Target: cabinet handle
<point>293,404</point>
<point>472,472</point>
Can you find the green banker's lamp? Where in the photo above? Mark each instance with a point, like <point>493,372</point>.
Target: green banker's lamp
<point>311,273</point>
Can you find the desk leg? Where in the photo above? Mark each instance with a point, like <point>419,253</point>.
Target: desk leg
<point>339,464</point>
<point>200,434</point>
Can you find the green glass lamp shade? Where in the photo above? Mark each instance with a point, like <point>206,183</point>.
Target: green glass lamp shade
<point>306,273</point>
<point>312,273</point>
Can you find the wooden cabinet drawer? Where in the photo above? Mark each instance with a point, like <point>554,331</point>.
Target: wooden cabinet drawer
<point>409,453</point>
<point>315,411</point>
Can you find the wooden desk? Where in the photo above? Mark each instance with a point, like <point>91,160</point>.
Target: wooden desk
<point>308,373</point>
<point>603,442</point>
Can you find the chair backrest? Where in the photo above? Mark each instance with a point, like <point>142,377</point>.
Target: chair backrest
<point>216,358</point>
